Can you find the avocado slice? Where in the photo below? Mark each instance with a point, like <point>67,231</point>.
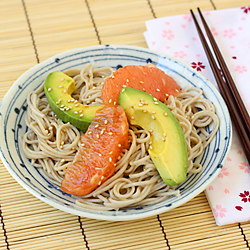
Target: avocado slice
<point>58,88</point>
<point>168,149</point>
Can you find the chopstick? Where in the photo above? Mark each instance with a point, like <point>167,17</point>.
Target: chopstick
<point>227,87</point>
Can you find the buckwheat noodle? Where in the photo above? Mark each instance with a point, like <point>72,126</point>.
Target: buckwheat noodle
<point>51,144</point>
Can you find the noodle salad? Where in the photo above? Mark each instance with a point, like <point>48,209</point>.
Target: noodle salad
<point>52,145</point>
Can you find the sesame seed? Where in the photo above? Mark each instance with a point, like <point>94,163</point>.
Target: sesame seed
<point>153,112</point>
<point>62,106</point>
<point>115,164</point>
<point>99,183</point>
<point>62,79</point>
<point>62,142</point>
<point>97,136</point>
<point>150,142</point>
<point>50,128</point>
<point>83,144</point>
<point>119,157</point>
<point>145,111</point>
<point>114,103</point>
<point>106,121</point>
<point>141,82</point>
<point>102,177</point>
<point>164,134</point>
<point>111,152</point>
<point>110,100</point>
<point>113,77</point>
<point>123,90</point>
<point>59,101</point>
<point>62,109</point>
<point>153,117</point>
<point>150,130</point>
<point>61,147</point>
<point>73,148</point>
<point>110,133</point>
<point>72,100</point>
<point>156,102</point>
<point>75,101</point>
<point>46,131</point>
<point>96,126</point>
<point>150,147</point>
<point>154,99</point>
<point>69,101</point>
<point>158,90</point>
<point>177,90</point>
<point>166,114</point>
<point>127,80</point>
<point>192,117</point>
<point>76,105</point>
<point>76,112</point>
<point>124,86</point>
<point>100,155</point>
<point>94,88</point>
<point>140,104</point>
<point>102,131</point>
<point>110,159</point>
<point>90,132</point>
<point>62,160</point>
<point>163,139</point>
<point>119,145</point>
<point>143,89</point>
<point>60,86</point>
<point>49,89</point>
<point>65,91</point>
<point>166,94</point>
<point>70,107</point>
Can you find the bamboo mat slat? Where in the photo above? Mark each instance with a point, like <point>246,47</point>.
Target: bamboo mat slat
<point>147,231</point>
<point>178,7</point>
<point>225,4</point>
<point>125,26</point>
<point>60,25</point>
<point>57,26</point>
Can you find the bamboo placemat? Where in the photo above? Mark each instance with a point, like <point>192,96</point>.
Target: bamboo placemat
<point>30,32</point>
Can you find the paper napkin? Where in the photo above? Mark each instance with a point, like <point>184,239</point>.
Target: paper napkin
<point>229,194</point>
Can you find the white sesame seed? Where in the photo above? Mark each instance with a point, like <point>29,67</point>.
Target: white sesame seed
<point>106,121</point>
<point>127,80</point>
<point>158,90</point>
<point>76,112</point>
<point>102,177</point>
<point>62,161</point>
<point>49,89</point>
<point>115,164</point>
<point>100,155</point>
<point>62,109</point>
<point>111,152</point>
<point>99,183</point>
<point>110,100</point>
<point>110,159</point>
<point>150,147</point>
<point>119,145</point>
<point>164,134</point>
<point>75,101</point>
<point>76,105</point>
<point>163,139</point>
<point>83,144</point>
<point>167,94</point>
<point>153,112</point>
<point>113,77</point>
<point>65,91</point>
<point>110,133</point>
<point>150,142</point>
<point>97,136</point>
<point>154,99</point>
<point>140,104</point>
<point>96,126</point>
<point>153,117</point>
<point>62,79</point>
<point>119,157</point>
<point>177,90</point>
<point>124,86</point>
<point>123,90</point>
<point>60,86</point>
<point>141,82</point>
<point>62,106</point>
<point>166,114</point>
<point>132,118</point>
<point>80,111</point>
<point>145,111</point>
<point>114,103</point>
<point>90,132</point>
<point>156,102</point>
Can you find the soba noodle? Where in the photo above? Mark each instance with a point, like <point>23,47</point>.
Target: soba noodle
<point>51,144</point>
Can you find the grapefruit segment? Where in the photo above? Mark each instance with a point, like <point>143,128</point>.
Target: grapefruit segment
<point>100,147</point>
<point>147,78</point>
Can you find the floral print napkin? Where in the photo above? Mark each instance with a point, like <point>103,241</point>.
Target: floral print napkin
<point>229,194</point>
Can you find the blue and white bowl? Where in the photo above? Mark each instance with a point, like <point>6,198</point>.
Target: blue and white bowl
<point>12,126</point>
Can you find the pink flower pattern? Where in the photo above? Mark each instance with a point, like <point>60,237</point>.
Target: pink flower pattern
<point>168,34</point>
<point>229,33</point>
<point>219,211</point>
<point>180,54</point>
<point>240,69</point>
<point>245,166</point>
<point>223,173</point>
<point>213,30</point>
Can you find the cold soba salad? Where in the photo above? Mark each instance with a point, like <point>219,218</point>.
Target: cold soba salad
<point>117,139</point>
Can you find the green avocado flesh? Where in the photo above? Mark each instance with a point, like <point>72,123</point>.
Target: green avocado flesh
<point>169,151</point>
<point>58,88</point>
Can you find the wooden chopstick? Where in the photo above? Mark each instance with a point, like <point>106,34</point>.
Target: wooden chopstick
<point>240,116</point>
